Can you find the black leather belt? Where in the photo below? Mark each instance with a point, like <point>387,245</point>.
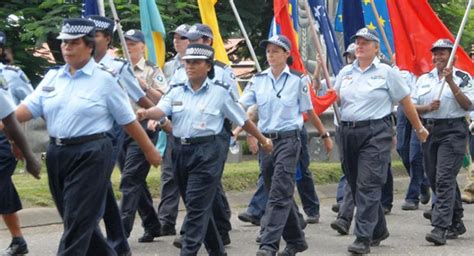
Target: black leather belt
<point>281,135</point>
<point>76,140</point>
<point>195,140</point>
<point>364,123</point>
<point>433,122</point>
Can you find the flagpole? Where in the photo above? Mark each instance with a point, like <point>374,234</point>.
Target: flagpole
<point>382,30</point>
<point>100,4</point>
<point>244,33</point>
<point>456,44</point>
<point>319,48</point>
<point>120,31</point>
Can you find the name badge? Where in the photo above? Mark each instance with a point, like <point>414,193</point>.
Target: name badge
<point>48,88</point>
<point>176,103</point>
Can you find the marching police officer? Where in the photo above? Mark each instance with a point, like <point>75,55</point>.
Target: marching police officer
<point>134,167</point>
<point>444,150</point>
<point>198,108</point>
<point>367,90</point>
<point>282,97</point>
<point>14,82</point>
<point>79,102</point>
<point>169,195</point>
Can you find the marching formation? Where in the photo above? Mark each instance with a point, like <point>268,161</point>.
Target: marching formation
<point>102,111</point>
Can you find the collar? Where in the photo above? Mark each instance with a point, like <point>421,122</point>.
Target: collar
<point>269,73</point>
<point>375,63</point>
<point>86,70</point>
<point>141,64</point>
<point>205,86</point>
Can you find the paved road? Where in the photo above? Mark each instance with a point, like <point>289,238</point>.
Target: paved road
<point>407,229</point>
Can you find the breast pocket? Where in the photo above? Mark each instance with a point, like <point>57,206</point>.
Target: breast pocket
<point>375,84</point>
<point>88,105</point>
<point>289,106</point>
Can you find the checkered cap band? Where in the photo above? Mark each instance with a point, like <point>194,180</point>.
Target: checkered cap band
<point>195,30</point>
<point>200,51</point>
<point>368,34</point>
<point>76,29</point>
<point>279,40</point>
<point>442,43</point>
<point>102,23</point>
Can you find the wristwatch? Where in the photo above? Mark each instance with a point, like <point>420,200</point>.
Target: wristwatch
<point>163,121</point>
<point>325,135</point>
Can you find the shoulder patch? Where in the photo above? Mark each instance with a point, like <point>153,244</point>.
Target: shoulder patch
<point>297,73</point>
<point>222,84</point>
<point>220,64</point>
<point>107,69</point>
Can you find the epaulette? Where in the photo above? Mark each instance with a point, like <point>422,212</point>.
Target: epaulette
<point>259,74</point>
<point>177,85</point>
<point>297,73</point>
<point>12,67</point>
<point>222,84</point>
<point>107,69</point>
<point>220,64</point>
<point>54,67</point>
<point>121,59</point>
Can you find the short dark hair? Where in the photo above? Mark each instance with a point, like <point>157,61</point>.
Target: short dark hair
<point>107,33</point>
<point>90,42</point>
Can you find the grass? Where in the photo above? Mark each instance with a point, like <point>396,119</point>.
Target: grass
<point>237,177</point>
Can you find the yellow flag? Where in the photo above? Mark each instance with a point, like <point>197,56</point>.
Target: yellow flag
<point>208,17</point>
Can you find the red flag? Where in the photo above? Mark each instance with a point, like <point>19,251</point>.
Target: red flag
<point>415,28</point>
<point>283,19</point>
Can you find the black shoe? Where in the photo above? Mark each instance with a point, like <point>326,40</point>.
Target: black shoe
<point>303,222</point>
<point>225,238</point>
<point>427,214</point>
<point>247,217</point>
<point>425,195</point>
<point>409,206</point>
<point>149,236</point>
<point>377,240</point>
<point>167,230</point>
<point>437,236</point>
<point>335,208</point>
<point>312,219</point>
<point>127,253</point>
<point>341,226</point>
<point>178,242</point>
<point>16,248</point>
<point>386,210</point>
<point>293,249</point>
<point>259,238</point>
<point>359,246</point>
<point>455,230</point>
<point>263,252</point>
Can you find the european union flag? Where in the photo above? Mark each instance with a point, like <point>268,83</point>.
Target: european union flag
<point>90,7</point>
<point>320,14</point>
<point>371,22</point>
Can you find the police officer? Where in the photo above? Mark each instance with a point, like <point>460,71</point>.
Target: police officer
<point>367,90</point>
<point>103,40</point>
<point>79,102</point>
<point>169,195</point>
<point>202,34</point>
<point>15,83</point>
<point>198,108</point>
<point>282,97</point>
<point>135,168</point>
<point>444,150</point>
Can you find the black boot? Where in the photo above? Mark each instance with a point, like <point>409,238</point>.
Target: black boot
<point>437,236</point>
<point>359,246</point>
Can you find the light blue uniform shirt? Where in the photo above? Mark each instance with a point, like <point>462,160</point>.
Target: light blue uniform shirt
<point>369,94</point>
<point>221,74</point>
<point>125,73</point>
<point>85,103</point>
<point>427,89</point>
<point>18,84</point>
<point>171,66</point>
<point>202,112</point>
<point>6,103</point>
<point>277,114</point>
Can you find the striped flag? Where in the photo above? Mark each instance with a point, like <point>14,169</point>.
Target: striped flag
<point>154,31</point>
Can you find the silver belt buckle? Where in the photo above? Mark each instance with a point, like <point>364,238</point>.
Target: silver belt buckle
<point>58,142</point>
<point>184,142</point>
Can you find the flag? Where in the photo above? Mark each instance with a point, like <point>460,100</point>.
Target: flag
<point>320,14</point>
<point>89,7</point>
<point>154,31</point>
<point>208,17</point>
<point>415,28</point>
<point>349,19</point>
<point>371,22</point>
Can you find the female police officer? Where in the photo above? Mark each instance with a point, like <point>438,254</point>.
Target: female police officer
<point>282,97</point>
<point>367,90</point>
<point>79,102</point>
<point>444,150</point>
<point>198,109</point>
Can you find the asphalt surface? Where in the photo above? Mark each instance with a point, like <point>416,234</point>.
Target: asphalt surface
<point>42,229</point>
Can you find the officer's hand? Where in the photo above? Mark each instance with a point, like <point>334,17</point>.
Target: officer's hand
<point>434,105</point>
<point>141,114</point>
<point>152,124</point>
<point>253,144</point>
<point>328,145</point>
<point>1,126</point>
<point>33,166</point>
<point>422,134</point>
<point>153,157</point>
<point>268,146</point>
<point>448,74</point>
